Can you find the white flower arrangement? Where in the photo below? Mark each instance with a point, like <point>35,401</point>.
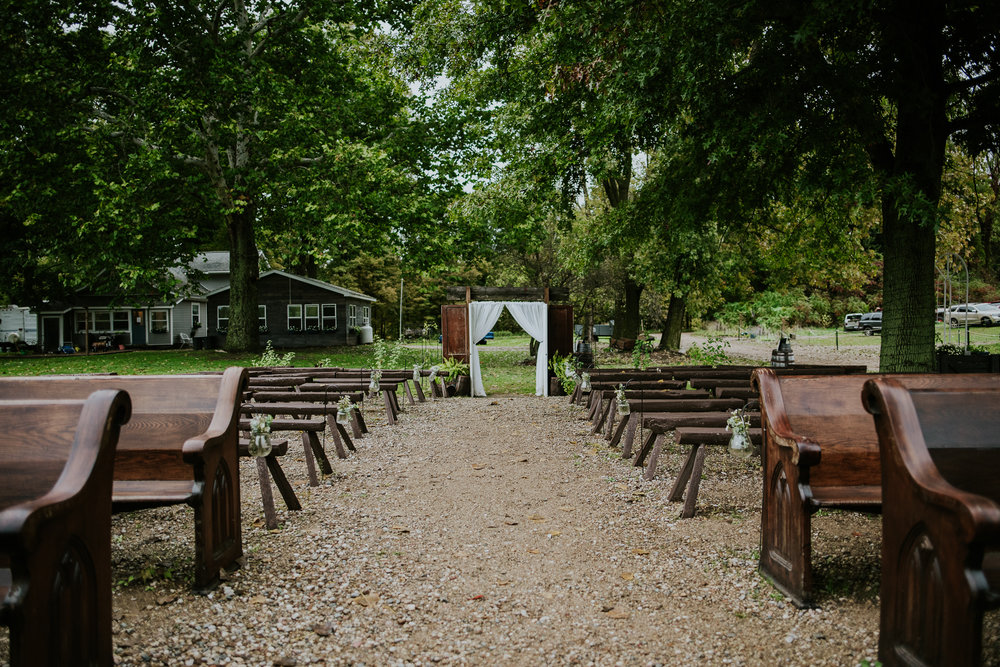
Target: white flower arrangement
<point>623,406</point>
<point>737,423</point>
<point>260,435</point>
<point>739,443</point>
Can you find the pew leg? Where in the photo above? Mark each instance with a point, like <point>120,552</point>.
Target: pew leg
<point>266,497</point>
<point>359,417</point>
<point>654,458</point>
<point>344,435</point>
<point>319,453</point>
<point>310,462</point>
<point>390,413</point>
<point>683,475</point>
<point>611,419</point>
<point>692,493</point>
<point>420,392</point>
<point>617,436</point>
<point>335,431</point>
<point>640,456</point>
<point>633,422</point>
<point>280,481</point>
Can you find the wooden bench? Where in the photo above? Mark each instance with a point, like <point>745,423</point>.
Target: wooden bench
<point>940,454</point>
<point>180,447</point>
<point>820,450</point>
<point>56,461</point>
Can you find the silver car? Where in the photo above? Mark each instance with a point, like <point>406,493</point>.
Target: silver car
<point>985,314</point>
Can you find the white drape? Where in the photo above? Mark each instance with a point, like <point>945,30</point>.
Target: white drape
<point>482,316</point>
<point>534,318</point>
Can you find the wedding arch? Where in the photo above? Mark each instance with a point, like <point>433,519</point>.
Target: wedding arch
<point>549,324</point>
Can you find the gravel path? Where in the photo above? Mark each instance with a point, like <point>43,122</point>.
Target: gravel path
<point>492,532</point>
<point>759,351</point>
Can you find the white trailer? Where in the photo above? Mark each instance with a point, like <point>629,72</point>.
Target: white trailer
<point>20,322</point>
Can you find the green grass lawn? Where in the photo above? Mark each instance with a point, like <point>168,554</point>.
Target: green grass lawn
<point>502,372</point>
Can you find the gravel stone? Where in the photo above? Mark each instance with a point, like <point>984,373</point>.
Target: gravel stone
<point>492,532</point>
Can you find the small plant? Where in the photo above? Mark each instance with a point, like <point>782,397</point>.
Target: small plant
<point>711,353</point>
<point>642,353</point>
<point>271,358</point>
<point>451,368</point>
<point>564,366</point>
<point>385,353</point>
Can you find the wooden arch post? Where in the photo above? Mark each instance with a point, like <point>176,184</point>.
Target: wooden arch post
<point>455,331</point>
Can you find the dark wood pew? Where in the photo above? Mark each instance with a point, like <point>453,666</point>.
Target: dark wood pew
<point>180,447</point>
<point>56,461</point>
<point>820,450</point>
<point>940,454</point>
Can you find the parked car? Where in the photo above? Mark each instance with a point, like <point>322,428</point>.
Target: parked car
<point>985,314</point>
<point>871,323</point>
<point>852,321</point>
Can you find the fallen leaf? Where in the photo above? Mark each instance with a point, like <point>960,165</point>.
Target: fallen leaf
<point>617,613</point>
<point>166,599</point>
<point>554,533</point>
<point>477,597</point>
<point>533,551</point>
<point>369,600</point>
<point>323,629</point>
<point>641,552</point>
<point>258,599</point>
<point>567,508</point>
<point>460,554</point>
<point>536,517</point>
<point>478,466</point>
<point>503,582</point>
<point>628,576</point>
<point>401,529</point>
<point>511,523</point>
<point>621,487</point>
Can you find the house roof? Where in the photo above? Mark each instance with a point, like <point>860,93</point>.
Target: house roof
<point>212,261</point>
<point>343,291</point>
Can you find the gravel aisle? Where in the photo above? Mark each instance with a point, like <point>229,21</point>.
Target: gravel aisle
<point>494,531</point>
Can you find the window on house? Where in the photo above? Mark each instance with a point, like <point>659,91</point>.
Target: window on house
<point>312,316</point>
<point>366,315</point>
<point>80,321</point>
<point>294,317</point>
<point>102,320</point>
<point>158,321</point>
<point>352,315</point>
<point>262,316</point>
<point>329,316</point>
<point>223,318</point>
<point>195,315</point>
<point>119,320</point>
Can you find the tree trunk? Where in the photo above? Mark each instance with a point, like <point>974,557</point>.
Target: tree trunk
<point>910,196</point>
<point>627,316</point>
<point>674,324</point>
<point>243,335</point>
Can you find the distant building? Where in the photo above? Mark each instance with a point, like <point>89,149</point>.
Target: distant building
<point>294,312</point>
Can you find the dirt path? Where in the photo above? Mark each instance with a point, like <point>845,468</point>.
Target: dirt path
<point>494,531</point>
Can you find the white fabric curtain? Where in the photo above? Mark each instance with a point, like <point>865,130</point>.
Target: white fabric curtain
<point>534,318</point>
<point>482,316</point>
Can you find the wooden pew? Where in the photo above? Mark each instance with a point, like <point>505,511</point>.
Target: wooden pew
<point>180,447</point>
<point>820,450</point>
<point>940,454</point>
<point>56,461</point>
